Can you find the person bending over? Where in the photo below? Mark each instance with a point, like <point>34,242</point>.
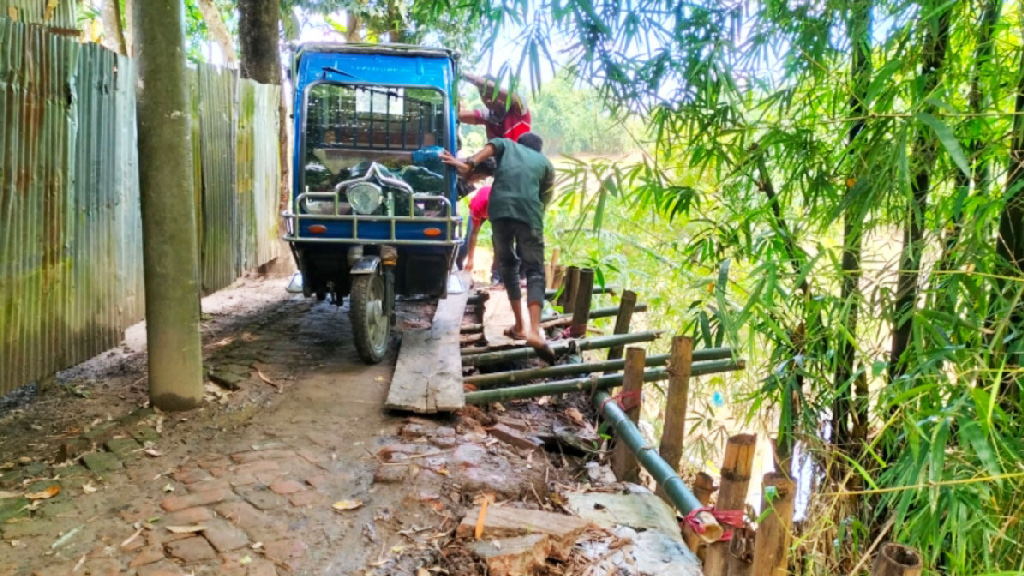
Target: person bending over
<point>500,117</point>
<point>522,188</point>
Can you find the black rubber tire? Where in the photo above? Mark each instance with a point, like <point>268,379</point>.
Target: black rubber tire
<point>367,311</point>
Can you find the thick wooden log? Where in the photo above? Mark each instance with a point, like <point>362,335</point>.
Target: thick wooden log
<point>495,379</point>
<point>624,462</point>
<point>559,347</point>
<point>774,531</point>
<point>677,401</point>
<point>581,309</point>
<point>703,488</point>
<point>897,560</point>
<point>732,495</point>
<point>627,305</point>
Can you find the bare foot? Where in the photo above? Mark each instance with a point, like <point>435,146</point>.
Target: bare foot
<point>544,352</point>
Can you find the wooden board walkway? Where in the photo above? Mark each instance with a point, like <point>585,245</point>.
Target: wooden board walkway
<point>428,375</point>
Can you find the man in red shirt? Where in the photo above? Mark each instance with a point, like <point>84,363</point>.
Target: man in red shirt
<point>500,118</point>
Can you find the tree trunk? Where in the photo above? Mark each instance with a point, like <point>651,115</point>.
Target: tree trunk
<point>859,32</point>
<point>353,28</point>
<point>169,232</point>
<point>219,31</point>
<point>258,40</point>
<point>129,26</point>
<point>1010,246</point>
<point>977,100</point>
<point>113,33</point>
<point>923,151</point>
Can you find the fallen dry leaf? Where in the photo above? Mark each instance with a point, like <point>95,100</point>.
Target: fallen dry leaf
<point>575,416</point>
<point>6,495</point>
<point>153,453</point>
<point>88,488</point>
<point>168,488</point>
<point>397,549</point>
<point>129,539</point>
<point>43,495</point>
<point>342,505</point>
<point>186,529</point>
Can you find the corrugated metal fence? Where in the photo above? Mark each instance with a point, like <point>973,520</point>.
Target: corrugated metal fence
<point>60,14</point>
<point>70,226</point>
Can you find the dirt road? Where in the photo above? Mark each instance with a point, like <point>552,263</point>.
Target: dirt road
<point>248,484</point>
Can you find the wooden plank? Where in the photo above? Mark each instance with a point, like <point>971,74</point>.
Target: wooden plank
<point>497,319</point>
<point>627,305</point>
<point>428,374</point>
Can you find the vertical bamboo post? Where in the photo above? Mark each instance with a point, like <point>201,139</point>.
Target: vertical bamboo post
<point>703,488</point>
<point>624,463</point>
<point>627,304</point>
<point>568,297</point>
<point>559,277</point>
<point>774,532</point>
<point>739,458</point>
<point>676,404</point>
<point>551,267</point>
<point>897,560</point>
<point>584,297</point>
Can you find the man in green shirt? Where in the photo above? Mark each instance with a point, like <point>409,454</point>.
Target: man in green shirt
<point>522,188</point>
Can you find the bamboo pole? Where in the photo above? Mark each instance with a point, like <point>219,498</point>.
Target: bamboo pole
<point>568,297</point>
<point>584,299</point>
<point>558,278</point>
<point>553,320</point>
<point>774,531</point>
<point>610,290</point>
<point>590,383</point>
<point>897,560</point>
<point>496,379</point>
<point>552,265</point>
<point>624,463</point>
<point>562,346</point>
<point>703,488</point>
<point>739,458</point>
<point>627,305</point>
<point>679,495</point>
<point>677,401</point>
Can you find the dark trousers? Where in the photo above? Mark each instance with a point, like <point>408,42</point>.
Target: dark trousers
<point>519,248</point>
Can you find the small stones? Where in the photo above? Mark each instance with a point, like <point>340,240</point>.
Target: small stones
<point>286,486</point>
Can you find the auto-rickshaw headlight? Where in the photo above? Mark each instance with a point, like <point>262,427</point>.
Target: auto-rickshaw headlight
<point>364,197</point>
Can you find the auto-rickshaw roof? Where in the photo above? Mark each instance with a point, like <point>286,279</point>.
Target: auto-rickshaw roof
<point>364,48</point>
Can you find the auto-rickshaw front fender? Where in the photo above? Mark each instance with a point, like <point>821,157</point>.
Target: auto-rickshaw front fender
<point>365,265</point>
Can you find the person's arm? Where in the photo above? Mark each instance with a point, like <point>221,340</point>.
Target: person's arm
<point>490,92</point>
<point>470,117</point>
<point>464,168</point>
<point>547,186</point>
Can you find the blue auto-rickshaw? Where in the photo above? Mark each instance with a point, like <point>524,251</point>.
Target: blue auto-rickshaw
<point>373,209</point>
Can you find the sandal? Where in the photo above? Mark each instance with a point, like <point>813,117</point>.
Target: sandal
<point>545,353</point>
<point>510,333</point>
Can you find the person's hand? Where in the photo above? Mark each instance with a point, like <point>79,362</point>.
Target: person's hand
<point>461,167</point>
<point>468,266</point>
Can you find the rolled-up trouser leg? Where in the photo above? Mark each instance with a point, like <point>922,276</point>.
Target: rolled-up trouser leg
<point>530,244</point>
<point>503,235</point>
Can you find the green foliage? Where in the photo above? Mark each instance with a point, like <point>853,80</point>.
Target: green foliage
<point>575,120</point>
<point>749,110</point>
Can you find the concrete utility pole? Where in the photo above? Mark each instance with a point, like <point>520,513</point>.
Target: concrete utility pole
<point>168,215</point>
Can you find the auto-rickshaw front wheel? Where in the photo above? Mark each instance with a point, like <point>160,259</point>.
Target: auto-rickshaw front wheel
<point>369,312</point>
